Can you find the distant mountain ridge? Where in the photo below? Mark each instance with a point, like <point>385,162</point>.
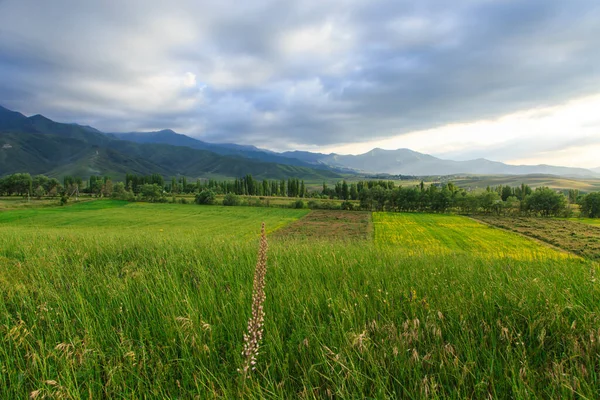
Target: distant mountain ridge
<point>409,162</point>
<point>143,151</point>
<point>395,162</point>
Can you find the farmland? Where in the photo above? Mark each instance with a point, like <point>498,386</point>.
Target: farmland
<point>578,238</point>
<point>451,234</point>
<point>347,225</point>
<point>109,299</point>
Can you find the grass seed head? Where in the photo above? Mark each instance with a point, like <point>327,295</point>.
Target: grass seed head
<point>253,338</point>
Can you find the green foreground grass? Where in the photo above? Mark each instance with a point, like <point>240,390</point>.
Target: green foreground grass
<point>114,311</point>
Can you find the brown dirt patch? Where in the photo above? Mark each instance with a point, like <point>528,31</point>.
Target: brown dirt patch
<point>330,224</point>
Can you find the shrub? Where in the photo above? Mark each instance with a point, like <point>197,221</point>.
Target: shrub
<point>254,203</point>
<point>346,205</point>
<point>298,204</point>
<point>231,200</point>
<point>313,205</point>
<point>206,196</point>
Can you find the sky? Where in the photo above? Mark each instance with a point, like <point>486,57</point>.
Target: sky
<point>512,81</point>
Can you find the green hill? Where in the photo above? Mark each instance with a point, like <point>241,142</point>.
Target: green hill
<point>39,145</point>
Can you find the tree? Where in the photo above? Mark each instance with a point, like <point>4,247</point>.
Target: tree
<point>121,192</point>
<point>573,196</point>
<point>590,205</point>
<point>39,192</point>
<point>512,204</point>
<point>345,191</point>
<point>107,188</point>
<point>207,196</point>
<point>366,199</point>
<point>354,191</point>
<point>506,192</point>
<point>546,202</point>
<point>151,192</point>
<point>489,201</point>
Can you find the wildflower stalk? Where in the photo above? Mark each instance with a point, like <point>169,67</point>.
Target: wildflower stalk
<point>254,336</point>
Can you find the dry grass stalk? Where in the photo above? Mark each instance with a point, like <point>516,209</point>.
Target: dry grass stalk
<point>254,336</point>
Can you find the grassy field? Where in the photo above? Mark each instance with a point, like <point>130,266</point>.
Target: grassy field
<point>589,221</point>
<point>451,234</point>
<point>577,238</point>
<point>97,302</point>
<point>146,218</point>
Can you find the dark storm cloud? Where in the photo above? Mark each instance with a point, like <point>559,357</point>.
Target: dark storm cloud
<point>277,74</point>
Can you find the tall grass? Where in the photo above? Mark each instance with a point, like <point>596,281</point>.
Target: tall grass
<point>87,314</point>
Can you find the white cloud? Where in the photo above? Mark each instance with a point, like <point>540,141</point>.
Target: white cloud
<point>567,134</point>
<point>460,79</point>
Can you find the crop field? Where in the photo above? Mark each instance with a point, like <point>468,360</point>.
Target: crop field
<point>347,225</point>
<point>117,300</point>
<point>578,238</point>
<point>146,218</point>
<point>451,234</point>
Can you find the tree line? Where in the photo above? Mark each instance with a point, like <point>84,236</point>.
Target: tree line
<point>500,200</point>
<point>373,195</point>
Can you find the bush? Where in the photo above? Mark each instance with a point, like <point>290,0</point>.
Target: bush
<point>206,196</point>
<point>183,200</point>
<point>231,200</point>
<point>254,203</point>
<point>346,205</point>
<point>298,204</point>
<point>313,205</point>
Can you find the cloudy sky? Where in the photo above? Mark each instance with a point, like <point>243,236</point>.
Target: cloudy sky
<point>513,81</point>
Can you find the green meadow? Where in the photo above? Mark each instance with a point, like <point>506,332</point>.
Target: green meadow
<point>120,300</point>
<point>452,234</point>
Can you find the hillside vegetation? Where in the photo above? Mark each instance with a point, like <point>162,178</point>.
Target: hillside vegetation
<point>39,145</point>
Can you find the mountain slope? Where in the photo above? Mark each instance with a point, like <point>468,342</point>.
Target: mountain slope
<point>170,137</point>
<point>41,146</point>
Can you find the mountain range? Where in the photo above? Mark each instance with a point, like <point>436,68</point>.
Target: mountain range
<point>39,145</point>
